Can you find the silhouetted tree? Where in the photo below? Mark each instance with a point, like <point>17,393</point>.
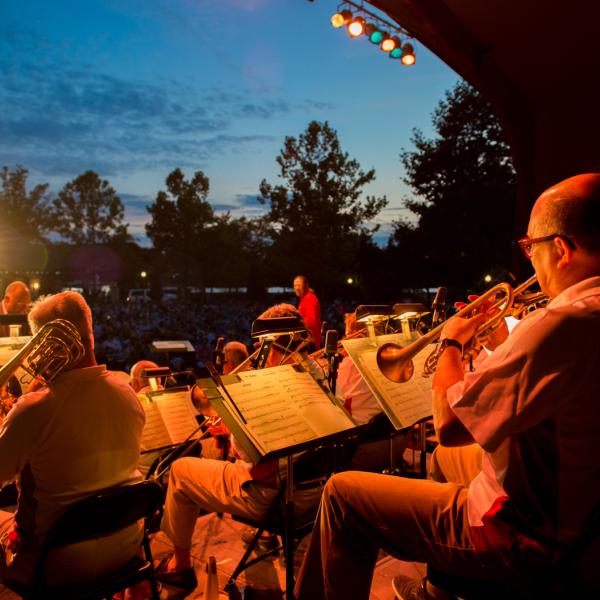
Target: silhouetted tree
<point>88,211</point>
<point>180,227</point>
<point>23,214</point>
<point>464,185</point>
<point>318,215</point>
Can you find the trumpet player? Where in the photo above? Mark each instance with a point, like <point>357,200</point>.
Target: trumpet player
<point>525,519</point>
<point>79,434</point>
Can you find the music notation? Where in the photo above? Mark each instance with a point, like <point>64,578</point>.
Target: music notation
<point>284,407</point>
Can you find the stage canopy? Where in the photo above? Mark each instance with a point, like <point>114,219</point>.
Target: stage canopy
<point>538,64</point>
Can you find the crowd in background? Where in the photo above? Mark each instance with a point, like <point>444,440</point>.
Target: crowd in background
<point>124,331</point>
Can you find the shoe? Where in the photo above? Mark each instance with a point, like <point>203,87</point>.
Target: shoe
<point>267,541</point>
<point>184,579</point>
<point>406,588</point>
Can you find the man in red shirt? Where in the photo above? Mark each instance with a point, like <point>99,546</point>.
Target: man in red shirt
<point>309,307</point>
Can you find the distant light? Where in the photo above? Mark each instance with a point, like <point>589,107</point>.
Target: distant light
<point>356,27</point>
<point>487,278</point>
<point>35,285</point>
<point>143,274</point>
<point>341,18</point>
<point>350,281</point>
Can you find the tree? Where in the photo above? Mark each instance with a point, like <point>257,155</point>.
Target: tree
<point>181,220</point>
<point>464,183</point>
<point>88,211</point>
<point>318,216</point>
<point>23,214</point>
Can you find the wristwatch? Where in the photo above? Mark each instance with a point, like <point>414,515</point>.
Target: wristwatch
<point>449,342</point>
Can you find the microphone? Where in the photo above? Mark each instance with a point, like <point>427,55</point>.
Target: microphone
<point>218,354</point>
<point>332,355</point>
<point>439,307</point>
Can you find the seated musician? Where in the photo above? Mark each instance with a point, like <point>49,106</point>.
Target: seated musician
<point>372,453</point>
<point>15,302</point>
<point>239,488</point>
<point>139,381</point>
<point>532,406</point>
<point>77,435</point>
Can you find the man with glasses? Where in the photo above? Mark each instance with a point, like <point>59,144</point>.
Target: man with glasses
<point>530,519</point>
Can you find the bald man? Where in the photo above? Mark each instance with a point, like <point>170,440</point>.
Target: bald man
<point>532,406</point>
<point>139,382</point>
<point>15,302</point>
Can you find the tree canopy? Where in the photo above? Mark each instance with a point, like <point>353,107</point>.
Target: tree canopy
<point>464,185</point>
<point>180,226</point>
<point>23,214</point>
<point>88,211</point>
<point>318,215</point>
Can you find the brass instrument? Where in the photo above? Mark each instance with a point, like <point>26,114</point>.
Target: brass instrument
<point>54,348</point>
<point>395,361</point>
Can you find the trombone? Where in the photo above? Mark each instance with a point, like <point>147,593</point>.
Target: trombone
<point>395,361</point>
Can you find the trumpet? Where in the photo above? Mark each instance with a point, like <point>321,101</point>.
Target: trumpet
<point>395,361</point>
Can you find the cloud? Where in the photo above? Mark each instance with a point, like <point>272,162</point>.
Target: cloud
<point>61,117</point>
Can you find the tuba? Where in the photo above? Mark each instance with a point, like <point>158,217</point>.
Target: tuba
<point>395,361</point>
<point>54,348</point>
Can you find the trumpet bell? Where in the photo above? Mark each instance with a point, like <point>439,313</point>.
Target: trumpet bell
<point>393,363</point>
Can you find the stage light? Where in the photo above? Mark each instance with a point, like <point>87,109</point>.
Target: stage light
<point>390,43</point>
<point>356,27</point>
<point>341,18</point>
<point>374,34</point>
<point>408,55</point>
<point>389,36</point>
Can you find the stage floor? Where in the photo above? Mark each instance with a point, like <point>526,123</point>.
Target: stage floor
<point>221,538</point>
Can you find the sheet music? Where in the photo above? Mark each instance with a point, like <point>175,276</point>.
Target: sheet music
<point>155,434</point>
<point>404,403</point>
<point>170,418</point>
<point>178,413</point>
<point>283,407</point>
<point>410,401</point>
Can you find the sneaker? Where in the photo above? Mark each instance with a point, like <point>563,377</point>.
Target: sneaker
<point>406,588</point>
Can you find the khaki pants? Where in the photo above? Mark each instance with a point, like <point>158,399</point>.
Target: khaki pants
<point>411,519</point>
<point>217,486</point>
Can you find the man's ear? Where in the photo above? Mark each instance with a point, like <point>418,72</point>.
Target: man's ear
<point>564,252</point>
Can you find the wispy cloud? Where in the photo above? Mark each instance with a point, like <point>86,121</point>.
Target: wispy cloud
<point>60,117</point>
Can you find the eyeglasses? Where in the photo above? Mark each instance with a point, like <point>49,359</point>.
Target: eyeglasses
<point>526,243</point>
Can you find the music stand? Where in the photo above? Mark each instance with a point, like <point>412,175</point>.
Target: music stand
<point>269,330</point>
<point>371,314</point>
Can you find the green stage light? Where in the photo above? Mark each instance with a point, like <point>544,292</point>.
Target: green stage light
<point>396,53</point>
<point>374,34</point>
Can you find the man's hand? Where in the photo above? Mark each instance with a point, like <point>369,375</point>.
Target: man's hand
<point>500,333</point>
<point>462,329</point>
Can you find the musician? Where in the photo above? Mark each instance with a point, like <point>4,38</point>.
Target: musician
<point>240,488</point>
<point>79,434</point>
<point>139,382</point>
<point>15,302</point>
<point>309,307</point>
<point>234,354</point>
<point>532,406</point>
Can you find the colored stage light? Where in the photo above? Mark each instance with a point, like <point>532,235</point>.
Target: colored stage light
<point>408,55</point>
<point>356,27</point>
<point>341,18</point>
<point>396,53</point>
<point>389,43</point>
<point>374,34</point>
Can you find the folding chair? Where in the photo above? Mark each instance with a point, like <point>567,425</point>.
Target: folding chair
<point>96,516</point>
<point>311,472</point>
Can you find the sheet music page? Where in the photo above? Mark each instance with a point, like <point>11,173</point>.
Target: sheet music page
<point>177,412</point>
<point>155,434</point>
<point>404,403</point>
<point>284,407</point>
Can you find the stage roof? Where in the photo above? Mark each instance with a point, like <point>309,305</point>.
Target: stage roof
<point>538,63</point>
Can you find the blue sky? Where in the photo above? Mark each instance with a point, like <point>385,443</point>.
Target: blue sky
<point>134,88</point>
